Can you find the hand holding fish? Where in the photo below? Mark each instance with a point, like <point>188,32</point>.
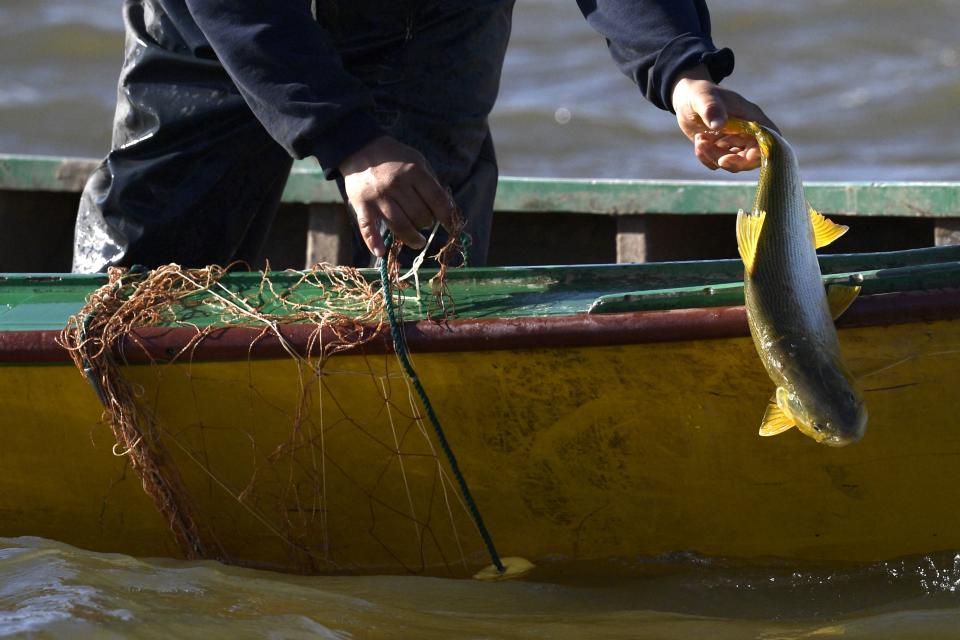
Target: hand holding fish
<point>703,107</point>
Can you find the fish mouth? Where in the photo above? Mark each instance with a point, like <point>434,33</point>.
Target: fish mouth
<point>824,435</point>
<point>821,436</point>
<point>836,440</point>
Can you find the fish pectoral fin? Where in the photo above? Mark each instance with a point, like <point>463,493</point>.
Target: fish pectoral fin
<point>775,420</point>
<point>840,297</point>
<point>748,232</point>
<point>824,231</point>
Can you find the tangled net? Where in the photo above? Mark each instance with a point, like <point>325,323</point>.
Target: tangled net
<point>297,485</point>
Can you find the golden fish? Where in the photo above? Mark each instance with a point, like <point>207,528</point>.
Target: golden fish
<point>791,314</point>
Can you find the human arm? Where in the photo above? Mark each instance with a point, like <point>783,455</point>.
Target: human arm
<point>286,68</point>
<point>665,46</point>
<point>289,73</point>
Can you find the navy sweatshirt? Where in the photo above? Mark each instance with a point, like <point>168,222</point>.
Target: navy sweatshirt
<point>285,65</point>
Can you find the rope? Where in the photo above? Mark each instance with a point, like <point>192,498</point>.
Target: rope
<point>89,372</point>
<point>400,347</point>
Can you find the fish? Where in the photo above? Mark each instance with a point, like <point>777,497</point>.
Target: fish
<point>790,312</point>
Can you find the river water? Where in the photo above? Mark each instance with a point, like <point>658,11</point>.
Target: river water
<point>53,590</point>
<point>865,91</point>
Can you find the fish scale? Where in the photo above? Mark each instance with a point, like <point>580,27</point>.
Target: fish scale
<point>783,264</point>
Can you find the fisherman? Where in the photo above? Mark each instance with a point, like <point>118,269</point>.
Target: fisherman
<point>216,98</point>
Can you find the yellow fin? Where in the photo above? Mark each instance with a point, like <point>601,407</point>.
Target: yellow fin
<point>764,139</point>
<point>824,231</point>
<point>748,231</point>
<point>840,297</point>
<point>775,420</point>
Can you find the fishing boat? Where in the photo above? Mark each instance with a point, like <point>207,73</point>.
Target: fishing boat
<point>603,413</point>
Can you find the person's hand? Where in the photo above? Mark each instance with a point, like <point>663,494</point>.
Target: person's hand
<point>390,181</point>
<point>702,107</point>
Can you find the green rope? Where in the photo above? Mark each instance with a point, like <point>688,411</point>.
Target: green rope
<point>89,372</point>
<point>400,347</point>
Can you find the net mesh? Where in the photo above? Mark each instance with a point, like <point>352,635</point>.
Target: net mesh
<point>319,460</point>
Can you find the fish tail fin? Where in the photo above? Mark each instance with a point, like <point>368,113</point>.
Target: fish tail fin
<point>755,129</point>
<point>744,126</point>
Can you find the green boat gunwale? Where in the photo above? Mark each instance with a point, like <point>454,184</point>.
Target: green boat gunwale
<point>535,307</point>
<point>163,344</point>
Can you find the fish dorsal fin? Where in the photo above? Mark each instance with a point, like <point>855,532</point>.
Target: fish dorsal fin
<point>748,232</point>
<point>775,420</point>
<point>840,297</point>
<point>824,231</point>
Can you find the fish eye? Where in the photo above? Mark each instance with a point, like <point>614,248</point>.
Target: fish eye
<point>818,426</point>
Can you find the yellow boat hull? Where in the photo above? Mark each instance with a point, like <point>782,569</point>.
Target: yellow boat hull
<point>578,453</point>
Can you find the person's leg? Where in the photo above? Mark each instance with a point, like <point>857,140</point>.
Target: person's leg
<point>192,177</point>
<point>435,74</point>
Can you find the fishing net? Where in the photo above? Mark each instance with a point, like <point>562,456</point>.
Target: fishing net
<point>318,459</point>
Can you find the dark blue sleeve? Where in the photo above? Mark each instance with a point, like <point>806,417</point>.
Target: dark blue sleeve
<point>653,41</point>
<point>289,73</point>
